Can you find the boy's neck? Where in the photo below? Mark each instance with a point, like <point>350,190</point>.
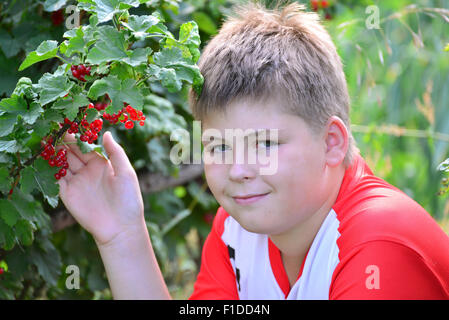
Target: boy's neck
<point>295,243</point>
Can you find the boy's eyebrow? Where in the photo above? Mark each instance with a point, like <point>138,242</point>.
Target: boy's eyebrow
<point>256,132</point>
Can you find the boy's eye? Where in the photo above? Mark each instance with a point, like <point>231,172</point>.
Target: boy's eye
<point>265,143</point>
<point>220,148</point>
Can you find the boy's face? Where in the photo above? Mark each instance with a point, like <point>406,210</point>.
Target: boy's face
<point>295,191</point>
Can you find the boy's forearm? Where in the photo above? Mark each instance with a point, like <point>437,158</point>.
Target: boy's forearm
<point>132,268</point>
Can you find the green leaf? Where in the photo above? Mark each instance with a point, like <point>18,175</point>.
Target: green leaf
<point>47,261</point>
<point>106,9</point>
<point>173,68</point>
<point>139,25</point>
<point>446,48</point>
<point>71,106</point>
<point>51,87</point>
<point>167,76</point>
<point>10,109</point>
<point>24,87</point>
<point>9,146</point>
<point>119,91</point>
<point>5,180</point>
<point>24,231</point>
<point>45,181</point>
<point>8,212</point>
<point>54,5</point>
<point>190,37</point>
<point>46,50</point>
<point>8,44</point>
<point>27,181</point>
<point>111,47</point>
<point>76,42</point>
<point>7,236</point>
<point>7,123</point>
<point>205,23</point>
<point>138,56</point>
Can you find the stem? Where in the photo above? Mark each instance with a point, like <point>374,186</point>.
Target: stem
<point>62,59</point>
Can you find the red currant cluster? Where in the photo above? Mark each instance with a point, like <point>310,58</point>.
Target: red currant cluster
<point>80,71</point>
<point>127,115</point>
<point>58,160</point>
<point>92,130</point>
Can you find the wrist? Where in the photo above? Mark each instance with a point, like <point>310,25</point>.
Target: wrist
<point>125,234</point>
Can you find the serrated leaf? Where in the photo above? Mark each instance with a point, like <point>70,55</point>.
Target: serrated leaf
<point>110,47</point>
<point>71,106</point>
<point>76,43</point>
<point>190,37</point>
<point>45,181</point>
<point>48,261</point>
<point>5,180</point>
<point>139,25</point>
<point>137,57</point>
<point>173,68</point>
<point>9,146</point>
<point>27,182</point>
<point>24,231</point>
<point>52,87</point>
<point>119,92</point>
<point>106,9</point>
<point>8,212</point>
<point>7,236</point>
<point>46,50</point>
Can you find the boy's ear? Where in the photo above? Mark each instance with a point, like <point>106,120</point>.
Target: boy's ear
<point>337,141</point>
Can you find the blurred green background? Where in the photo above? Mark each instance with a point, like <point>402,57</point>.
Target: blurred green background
<point>398,76</point>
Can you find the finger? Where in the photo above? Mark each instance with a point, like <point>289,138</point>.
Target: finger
<point>119,160</point>
<point>71,141</point>
<point>75,164</point>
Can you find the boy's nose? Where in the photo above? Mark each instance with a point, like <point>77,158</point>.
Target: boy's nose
<point>242,171</point>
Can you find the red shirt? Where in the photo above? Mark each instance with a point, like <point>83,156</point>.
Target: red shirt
<point>375,243</point>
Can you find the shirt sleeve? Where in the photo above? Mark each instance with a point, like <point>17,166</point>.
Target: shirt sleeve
<point>216,279</point>
<point>386,270</point>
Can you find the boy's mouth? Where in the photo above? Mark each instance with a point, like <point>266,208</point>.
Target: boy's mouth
<point>251,198</point>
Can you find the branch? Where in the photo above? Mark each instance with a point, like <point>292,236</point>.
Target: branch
<point>149,183</point>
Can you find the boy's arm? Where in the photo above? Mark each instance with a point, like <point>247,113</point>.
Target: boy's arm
<point>386,270</point>
<point>131,266</point>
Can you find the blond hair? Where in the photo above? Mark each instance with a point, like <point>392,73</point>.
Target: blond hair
<point>283,54</point>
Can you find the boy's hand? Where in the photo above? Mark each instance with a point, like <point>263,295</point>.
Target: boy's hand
<point>103,196</point>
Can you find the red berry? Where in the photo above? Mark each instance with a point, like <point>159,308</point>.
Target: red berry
<point>314,5</point>
<point>129,124</point>
<point>1,269</point>
<point>142,123</point>
<point>62,172</point>
<point>57,176</point>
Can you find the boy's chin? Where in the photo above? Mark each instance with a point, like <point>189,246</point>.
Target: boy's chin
<point>255,225</point>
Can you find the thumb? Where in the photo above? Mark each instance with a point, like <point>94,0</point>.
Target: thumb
<point>119,160</point>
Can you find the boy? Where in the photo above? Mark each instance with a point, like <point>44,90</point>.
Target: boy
<point>321,227</point>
